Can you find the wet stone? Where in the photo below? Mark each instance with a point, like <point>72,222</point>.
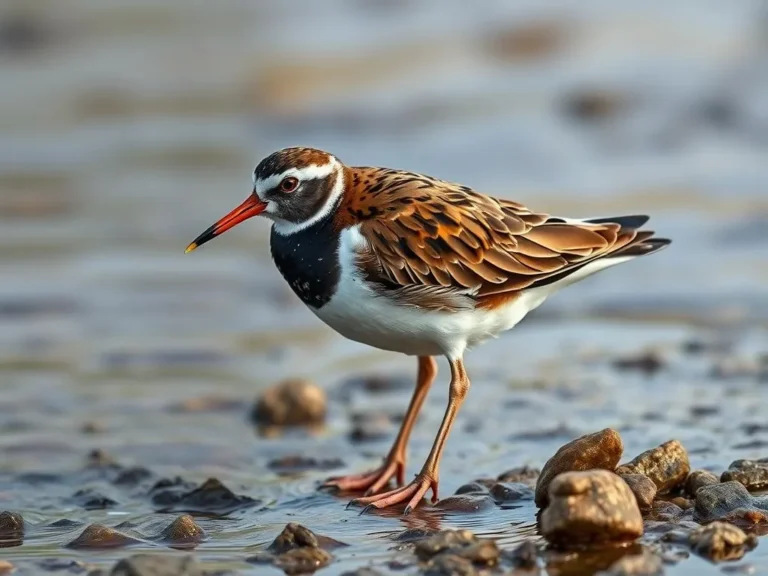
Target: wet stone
<point>466,503</point>
<point>157,565</point>
<point>753,474</point>
<point>303,560</point>
<point>90,499</point>
<point>598,450</point>
<point>62,565</point>
<point>210,497</point>
<point>296,536</point>
<point>132,476</point>
<point>6,567</point>
<point>450,566</point>
<point>698,479</point>
<point>730,501</point>
<point>99,536</point>
<point>504,492</point>
<point>666,511</point>
<point>590,507</point>
<point>642,487</point>
<point>414,534</point>
<point>182,532</point>
<point>458,543</point>
<point>294,402</point>
<point>645,564</point>
<point>294,464</point>
<point>593,105</point>
<point>522,474</point>
<point>472,488</point>
<point>721,541</point>
<point>11,525</point>
<point>524,557</point>
<point>667,465</point>
<point>648,363</point>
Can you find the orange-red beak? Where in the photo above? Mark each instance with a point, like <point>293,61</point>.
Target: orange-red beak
<point>248,209</point>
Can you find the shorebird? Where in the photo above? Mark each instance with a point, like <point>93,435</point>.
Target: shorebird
<point>412,264</point>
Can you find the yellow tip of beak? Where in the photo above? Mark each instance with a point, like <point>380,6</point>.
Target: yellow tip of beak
<point>190,248</point>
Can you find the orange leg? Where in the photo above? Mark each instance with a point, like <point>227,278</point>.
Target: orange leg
<point>394,463</point>
<point>428,477</point>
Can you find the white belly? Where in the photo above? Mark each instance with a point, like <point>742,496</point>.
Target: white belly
<point>358,313</point>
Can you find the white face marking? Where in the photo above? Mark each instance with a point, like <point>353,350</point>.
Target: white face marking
<point>285,228</point>
<point>307,173</point>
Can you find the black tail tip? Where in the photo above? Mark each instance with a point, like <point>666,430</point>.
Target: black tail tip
<point>631,222</point>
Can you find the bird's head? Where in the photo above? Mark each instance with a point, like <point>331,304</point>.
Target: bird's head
<point>294,187</point>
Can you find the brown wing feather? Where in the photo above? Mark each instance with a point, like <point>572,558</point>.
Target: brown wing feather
<point>437,245</point>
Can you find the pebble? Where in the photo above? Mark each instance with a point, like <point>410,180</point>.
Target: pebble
<point>721,541</point>
<point>642,487</point>
<point>450,566</point>
<point>753,474</point>
<point>11,526</point>
<point>504,492</point>
<point>645,564</point>
<point>294,402</point>
<point>698,479</point>
<point>649,363</point>
<point>296,536</point>
<point>303,560</point>
<point>522,474</point>
<point>98,536</point>
<point>458,543</point>
<point>370,427</point>
<point>729,501</point>
<point>472,488</point>
<point>465,503</point>
<point>524,557</point>
<point>598,450</point>
<point>157,565</point>
<point>90,499</point>
<point>590,507</point>
<point>6,567</point>
<point>210,497</point>
<point>667,465</point>
<point>182,532</point>
<point>365,571</point>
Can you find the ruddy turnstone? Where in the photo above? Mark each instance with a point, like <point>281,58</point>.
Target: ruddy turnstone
<point>412,264</point>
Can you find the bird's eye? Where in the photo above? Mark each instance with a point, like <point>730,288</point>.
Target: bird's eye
<point>289,184</point>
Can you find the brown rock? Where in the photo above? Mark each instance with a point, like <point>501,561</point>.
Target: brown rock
<point>296,536</point>
<point>157,565</point>
<point>210,497</point>
<point>511,492</point>
<point>295,402</point>
<point>11,528</point>
<point>521,474</point>
<point>598,450</point>
<point>465,503</point>
<point>303,560</point>
<point>667,465</point>
<point>721,541</point>
<point>450,565</point>
<point>729,501</point>
<point>698,479</point>
<point>752,473</point>
<point>642,487</point>
<point>525,556</point>
<point>182,532</point>
<point>644,564</point>
<point>590,507</point>
<point>100,536</point>
<point>458,543</point>
<point>6,567</point>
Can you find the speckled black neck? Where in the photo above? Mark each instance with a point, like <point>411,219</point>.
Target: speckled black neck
<point>308,260</point>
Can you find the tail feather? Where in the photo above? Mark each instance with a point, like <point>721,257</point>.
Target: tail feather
<point>642,244</point>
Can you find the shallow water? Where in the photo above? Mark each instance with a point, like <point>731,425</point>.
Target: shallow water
<point>128,127</point>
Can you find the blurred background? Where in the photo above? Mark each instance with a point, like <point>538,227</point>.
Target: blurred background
<point>129,126</point>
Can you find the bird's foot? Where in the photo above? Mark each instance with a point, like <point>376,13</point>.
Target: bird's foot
<point>372,482</point>
<point>412,494</point>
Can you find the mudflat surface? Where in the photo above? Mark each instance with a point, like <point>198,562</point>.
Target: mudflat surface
<point>128,127</point>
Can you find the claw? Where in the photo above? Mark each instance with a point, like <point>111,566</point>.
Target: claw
<point>407,510</point>
<point>366,509</point>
